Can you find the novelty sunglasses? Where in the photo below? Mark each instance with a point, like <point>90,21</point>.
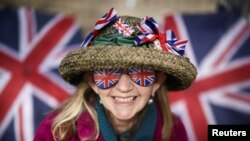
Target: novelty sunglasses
<point>106,78</point>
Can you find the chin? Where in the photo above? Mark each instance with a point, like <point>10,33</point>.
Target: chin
<point>124,116</point>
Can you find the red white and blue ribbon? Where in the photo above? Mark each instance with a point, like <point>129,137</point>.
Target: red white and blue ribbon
<point>151,32</point>
<point>102,22</point>
<point>174,45</point>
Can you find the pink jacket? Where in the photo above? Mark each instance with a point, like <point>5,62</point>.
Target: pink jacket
<point>85,127</point>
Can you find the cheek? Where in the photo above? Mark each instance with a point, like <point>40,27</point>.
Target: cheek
<point>145,93</point>
<point>103,92</point>
<point>105,99</point>
<point>145,98</point>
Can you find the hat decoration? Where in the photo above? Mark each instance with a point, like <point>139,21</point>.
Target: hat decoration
<point>174,45</point>
<point>102,22</point>
<point>151,33</point>
<point>149,28</point>
<point>127,42</point>
<point>123,28</point>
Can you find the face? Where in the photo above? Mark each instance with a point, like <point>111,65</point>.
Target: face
<point>125,97</point>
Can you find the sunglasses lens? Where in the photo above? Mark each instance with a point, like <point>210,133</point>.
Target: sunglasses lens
<point>141,76</point>
<point>106,78</point>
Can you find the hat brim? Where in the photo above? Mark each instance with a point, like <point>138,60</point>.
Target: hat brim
<point>180,71</point>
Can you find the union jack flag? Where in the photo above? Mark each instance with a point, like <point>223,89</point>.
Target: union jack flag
<point>219,46</point>
<point>31,46</point>
<point>123,28</point>
<point>142,76</point>
<point>105,78</point>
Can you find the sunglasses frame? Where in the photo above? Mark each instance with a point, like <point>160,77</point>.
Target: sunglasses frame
<point>107,78</point>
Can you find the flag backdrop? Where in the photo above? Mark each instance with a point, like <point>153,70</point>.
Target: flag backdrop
<point>31,46</point>
<point>33,43</point>
<point>219,46</point>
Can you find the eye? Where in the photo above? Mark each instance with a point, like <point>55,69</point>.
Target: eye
<point>142,76</point>
<point>106,78</point>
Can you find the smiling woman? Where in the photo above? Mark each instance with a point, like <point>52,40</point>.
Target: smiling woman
<point>122,72</point>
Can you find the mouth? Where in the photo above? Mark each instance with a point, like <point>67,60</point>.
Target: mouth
<point>124,100</point>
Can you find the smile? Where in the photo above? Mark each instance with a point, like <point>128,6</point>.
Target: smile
<point>124,99</point>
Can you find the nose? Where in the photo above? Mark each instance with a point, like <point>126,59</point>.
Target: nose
<point>124,84</point>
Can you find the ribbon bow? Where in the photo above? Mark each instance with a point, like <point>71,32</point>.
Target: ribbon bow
<point>151,32</point>
<point>174,45</point>
<point>102,22</point>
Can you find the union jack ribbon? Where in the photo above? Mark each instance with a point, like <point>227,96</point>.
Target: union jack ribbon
<point>174,45</point>
<point>102,22</point>
<point>168,42</point>
<point>151,31</point>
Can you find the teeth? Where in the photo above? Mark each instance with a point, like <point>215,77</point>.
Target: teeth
<point>124,100</point>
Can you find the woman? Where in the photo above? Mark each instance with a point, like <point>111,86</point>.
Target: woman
<point>122,73</point>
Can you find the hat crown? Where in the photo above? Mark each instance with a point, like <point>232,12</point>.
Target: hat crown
<point>130,20</point>
<point>127,42</point>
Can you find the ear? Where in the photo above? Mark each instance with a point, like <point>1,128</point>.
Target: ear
<point>160,78</point>
<point>88,78</point>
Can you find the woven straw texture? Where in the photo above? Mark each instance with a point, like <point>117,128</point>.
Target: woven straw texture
<point>181,72</point>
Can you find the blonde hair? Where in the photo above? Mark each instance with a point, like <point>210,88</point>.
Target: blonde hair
<point>162,99</point>
<point>63,126</point>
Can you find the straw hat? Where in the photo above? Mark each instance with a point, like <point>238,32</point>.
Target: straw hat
<point>121,43</point>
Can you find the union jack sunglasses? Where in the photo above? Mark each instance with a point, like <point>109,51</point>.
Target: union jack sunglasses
<point>106,78</point>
